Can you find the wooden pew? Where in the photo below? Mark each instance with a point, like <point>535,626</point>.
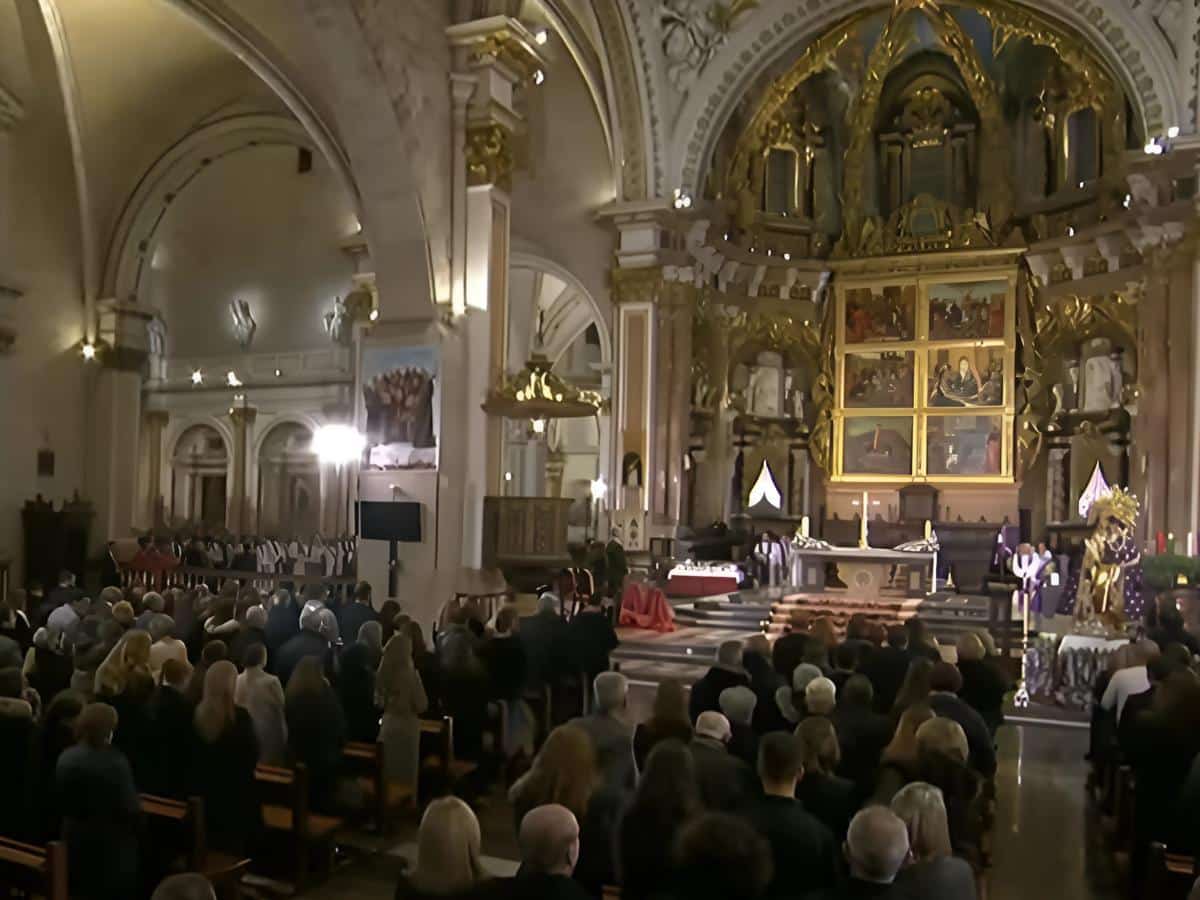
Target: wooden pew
<point>1169,876</point>
<point>286,812</point>
<point>437,753</point>
<point>36,871</point>
<point>365,762</point>
<point>187,821</point>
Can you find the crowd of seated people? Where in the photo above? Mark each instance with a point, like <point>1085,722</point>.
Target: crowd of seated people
<point>787,772</point>
<point>1146,728</point>
<point>783,775</point>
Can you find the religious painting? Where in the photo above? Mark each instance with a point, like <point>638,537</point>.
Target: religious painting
<point>880,314</point>
<point>877,445</point>
<point>969,310</point>
<point>400,387</point>
<point>883,378</point>
<point>965,376</point>
<point>963,445</point>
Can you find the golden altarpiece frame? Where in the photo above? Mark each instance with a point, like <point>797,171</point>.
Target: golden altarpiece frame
<point>925,374</point>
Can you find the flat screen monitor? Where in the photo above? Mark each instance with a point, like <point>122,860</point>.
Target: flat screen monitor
<point>390,521</point>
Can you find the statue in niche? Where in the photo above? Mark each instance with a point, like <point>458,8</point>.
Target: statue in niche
<point>765,392</point>
<point>244,325</point>
<point>1102,383</point>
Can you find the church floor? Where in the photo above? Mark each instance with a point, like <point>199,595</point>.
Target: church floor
<point>1045,843</point>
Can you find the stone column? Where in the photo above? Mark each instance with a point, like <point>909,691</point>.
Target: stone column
<point>114,413</point>
<point>655,303</point>
<point>154,421</point>
<point>239,515</point>
<point>493,57</point>
<point>556,463</point>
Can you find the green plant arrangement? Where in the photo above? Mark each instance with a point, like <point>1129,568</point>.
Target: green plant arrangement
<point>1162,571</point>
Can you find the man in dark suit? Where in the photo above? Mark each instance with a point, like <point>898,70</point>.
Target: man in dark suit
<point>726,783</point>
<point>876,850</point>
<point>886,668</point>
<point>544,636</point>
<point>352,616</point>
<point>946,682</point>
<point>862,733</point>
<point>802,847</point>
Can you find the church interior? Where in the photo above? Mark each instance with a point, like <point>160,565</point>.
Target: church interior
<point>667,449</point>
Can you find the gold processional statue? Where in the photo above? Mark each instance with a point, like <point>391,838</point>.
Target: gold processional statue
<point>1109,551</point>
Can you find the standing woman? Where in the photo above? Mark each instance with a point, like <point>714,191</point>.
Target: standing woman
<point>669,720</point>
<point>448,845</point>
<point>316,730</point>
<point>100,810</point>
<point>400,692</point>
<point>224,755</point>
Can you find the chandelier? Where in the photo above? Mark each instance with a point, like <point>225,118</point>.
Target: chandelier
<point>537,394</point>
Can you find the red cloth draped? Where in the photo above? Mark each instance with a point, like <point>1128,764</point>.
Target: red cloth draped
<point>701,585</point>
<point>645,606</point>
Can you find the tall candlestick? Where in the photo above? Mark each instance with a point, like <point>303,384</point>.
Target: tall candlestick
<point>928,529</point>
<point>862,533</point>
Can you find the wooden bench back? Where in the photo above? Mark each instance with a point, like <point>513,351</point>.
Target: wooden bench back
<point>187,819</point>
<point>286,787</point>
<point>34,869</point>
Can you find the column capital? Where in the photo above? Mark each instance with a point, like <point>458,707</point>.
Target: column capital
<point>490,155</point>
<point>243,415</point>
<point>498,43</point>
<point>124,330</point>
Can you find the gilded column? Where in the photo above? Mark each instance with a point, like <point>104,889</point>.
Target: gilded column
<point>154,421</point>
<point>238,516</point>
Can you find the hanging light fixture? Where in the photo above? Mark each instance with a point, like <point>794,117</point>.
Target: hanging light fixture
<point>537,394</point>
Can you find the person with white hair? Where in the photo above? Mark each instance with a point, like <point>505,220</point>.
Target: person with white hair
<point>820,697</point>
<point>253,630</point>
<point>738,704</point>
<point>935,872</point>
<point>790,700</point>
<point>876,850</point>
<point>549,842</point>
<point>610,730</point>
<point>318,631</point>
<point>152,605</point>
<point>184,886</point>
<point>727,673</point>
<point>726,783</point>
<point>165,645</point>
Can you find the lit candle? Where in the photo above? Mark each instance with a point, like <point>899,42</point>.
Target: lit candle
<point>862,533</point>
<point>1171,542</point>
<point>928,529</point>
<point>804,526</point>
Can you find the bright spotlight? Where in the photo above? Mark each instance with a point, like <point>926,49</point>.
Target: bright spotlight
<point>338,444</point>
<point>197,377</point>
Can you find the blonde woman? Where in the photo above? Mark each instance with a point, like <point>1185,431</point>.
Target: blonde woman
<point>128,662</point>
<point>827,796</point>
<point>898,766</point>
<point>400,693</point>
<point>942,754</point>
<point>934,872</point>
<point>448,843</point>
<point>222,770</point>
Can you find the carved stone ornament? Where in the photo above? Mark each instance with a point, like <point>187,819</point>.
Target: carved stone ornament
<point>489,156</point>
<point>693,31</point>
<point>244,325</point>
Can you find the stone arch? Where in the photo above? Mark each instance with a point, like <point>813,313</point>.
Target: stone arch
<point>583,312</point>
<point>1135,53</point>
<point>171,173</point>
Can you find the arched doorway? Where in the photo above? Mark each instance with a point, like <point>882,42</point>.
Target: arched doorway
<point>199,478</point>
<point>289,482</point>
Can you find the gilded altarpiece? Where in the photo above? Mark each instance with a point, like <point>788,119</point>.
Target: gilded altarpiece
<point>925,374</point>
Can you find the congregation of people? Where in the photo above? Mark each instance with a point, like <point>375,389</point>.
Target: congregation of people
<point>816,767</point>
<point>1146,723</point>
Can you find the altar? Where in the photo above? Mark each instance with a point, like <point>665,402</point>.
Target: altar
<point>865,570</point>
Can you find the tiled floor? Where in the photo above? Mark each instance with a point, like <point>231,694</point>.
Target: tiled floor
<point>1045,844</point>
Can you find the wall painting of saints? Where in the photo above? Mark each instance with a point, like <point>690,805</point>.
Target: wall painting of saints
<point>972,310</point>
<point>880,314</point>
<point>400,393</point>
<point>965,376</point>
<point>877,445</point>
<point>963,445</point>
<point>883,378</point>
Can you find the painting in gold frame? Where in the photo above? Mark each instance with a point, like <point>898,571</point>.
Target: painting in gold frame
<point>964,445</point>
<point>880,314</point>
<point>882,378</point>
<point>964,377</point>
<point>968,310</point>
<point>877,445</point>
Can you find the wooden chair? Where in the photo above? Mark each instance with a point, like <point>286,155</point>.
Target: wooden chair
<point>437,753</point>
<point>186,823</point>
<point>34,870</point>
<point>365,762</point>
<point>286,812</point>
<point>1169,876</point>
